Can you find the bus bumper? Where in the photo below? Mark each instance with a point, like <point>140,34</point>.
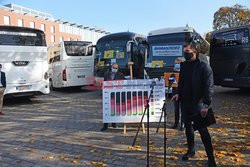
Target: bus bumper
<point>233,82</point>
<point>17,90</point>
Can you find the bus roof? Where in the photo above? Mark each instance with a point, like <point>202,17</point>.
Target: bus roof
<point>230,29</point>
<point>20,29</point>
<point>120,35</point>
<point>171,30</point>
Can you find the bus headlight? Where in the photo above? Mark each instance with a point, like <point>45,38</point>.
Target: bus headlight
<point>46,76</point>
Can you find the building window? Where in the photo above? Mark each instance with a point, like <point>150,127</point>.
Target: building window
<point>32,24</point>
<point>52,38</point>
<point>52,29</point>
<point>6,20</point>
<point>20,22</point>
<point>43,27</point>
<point>60,39</point>
<point>60,28</point>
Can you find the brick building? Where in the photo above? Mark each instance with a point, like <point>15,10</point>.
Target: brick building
<point>55,30</point>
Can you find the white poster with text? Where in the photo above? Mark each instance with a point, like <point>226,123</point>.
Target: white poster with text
<point>167,50</point>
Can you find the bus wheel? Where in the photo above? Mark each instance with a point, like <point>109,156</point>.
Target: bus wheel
<point>51,87</point>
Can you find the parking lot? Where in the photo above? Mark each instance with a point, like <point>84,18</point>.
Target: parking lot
<point>63,129</point>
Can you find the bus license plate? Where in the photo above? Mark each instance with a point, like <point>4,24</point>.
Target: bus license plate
<point>26,87</point>
<point>81,76</point>
<point>228,79</point>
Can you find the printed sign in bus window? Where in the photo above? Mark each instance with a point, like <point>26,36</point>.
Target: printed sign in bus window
<point>167,50</point>
<point>100,63</point>
<point>108,54</point>
<point>119,55</point>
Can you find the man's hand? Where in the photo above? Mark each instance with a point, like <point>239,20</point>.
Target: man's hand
<point>175,98</point>
<point>204,112</point>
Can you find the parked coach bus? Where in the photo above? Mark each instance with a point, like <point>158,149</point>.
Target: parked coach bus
<point>70,64</point>
<point>23,54</point>
<point>166,45</point>
<point>230,57</point>
<point>113,48</point>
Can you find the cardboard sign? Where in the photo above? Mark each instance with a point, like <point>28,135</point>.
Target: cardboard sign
<point>157,64</point>
<point>108,54</point>
<point>124,100</point>
<point>100,63</point>
<point>171,75</point>
<point>120,55</point>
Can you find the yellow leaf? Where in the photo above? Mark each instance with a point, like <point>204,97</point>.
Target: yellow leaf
<point>92,150</point>
<point>51,157</point>
<point>32,140</point>
<point>173,157</point>
<point>199,163</point>
<point>31,150</point>
<point>94,163</point>
<point>170,148</point>
<point>65,158</point>
<point>78,156</point>
<point>75,162</point>
<point>108,153</point>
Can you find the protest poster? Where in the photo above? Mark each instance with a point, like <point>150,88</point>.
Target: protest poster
<point>124,100</point>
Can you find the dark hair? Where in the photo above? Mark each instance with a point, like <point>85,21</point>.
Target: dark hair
<point>195,43</point>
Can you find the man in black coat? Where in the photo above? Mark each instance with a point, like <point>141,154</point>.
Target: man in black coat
<point>114,74</point>
<point>195,91</point>
<point>2,88</point>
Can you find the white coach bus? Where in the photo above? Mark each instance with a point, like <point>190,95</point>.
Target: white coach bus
<point>70,64</point>
<point>23,55</point>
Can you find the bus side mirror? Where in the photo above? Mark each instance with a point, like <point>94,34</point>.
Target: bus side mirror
<point>89,50</point>
<point>130,46</point>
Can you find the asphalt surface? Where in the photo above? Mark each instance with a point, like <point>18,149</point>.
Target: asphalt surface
<point>63,129</point>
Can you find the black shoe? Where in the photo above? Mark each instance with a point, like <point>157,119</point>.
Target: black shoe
<point>174,126</point>
<point>114,125</point>
<point>188,155</point>
<point>182,128</point>
<point>104,128</point>
<point>211,162</point>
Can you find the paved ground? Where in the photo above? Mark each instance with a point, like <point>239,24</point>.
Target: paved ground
<point>63,129</point>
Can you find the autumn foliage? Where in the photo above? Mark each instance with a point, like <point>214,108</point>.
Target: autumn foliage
<point>227,17</point>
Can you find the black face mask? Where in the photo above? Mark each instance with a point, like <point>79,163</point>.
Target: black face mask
<point>188,56</point>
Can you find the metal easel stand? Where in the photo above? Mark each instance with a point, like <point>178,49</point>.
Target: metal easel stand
<point>146,109</point>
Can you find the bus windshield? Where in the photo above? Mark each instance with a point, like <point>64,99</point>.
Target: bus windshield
<point>167,47</point>
<point>113,49</point>
<point>22,38</point>
<point>231,38</point>
<point>76,48</point>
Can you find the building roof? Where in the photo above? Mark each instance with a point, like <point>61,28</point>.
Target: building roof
<point>28,11</point>
<point>47,16</point>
